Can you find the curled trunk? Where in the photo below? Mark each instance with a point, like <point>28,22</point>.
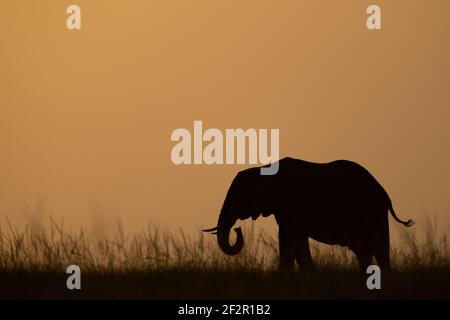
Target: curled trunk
<point>223,237</point>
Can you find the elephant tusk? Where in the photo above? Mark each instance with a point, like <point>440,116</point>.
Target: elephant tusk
<point>209,230</point>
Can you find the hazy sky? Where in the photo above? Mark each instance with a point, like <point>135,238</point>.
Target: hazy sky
<point>86,116</point>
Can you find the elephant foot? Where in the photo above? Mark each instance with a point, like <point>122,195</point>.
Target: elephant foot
<point>308,268</point>
<point>286,268</point>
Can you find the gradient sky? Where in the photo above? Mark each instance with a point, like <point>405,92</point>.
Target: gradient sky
<point>86,116</point>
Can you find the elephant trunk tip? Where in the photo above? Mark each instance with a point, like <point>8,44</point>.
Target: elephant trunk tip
<point>223,238</point>
<point>409,223</point>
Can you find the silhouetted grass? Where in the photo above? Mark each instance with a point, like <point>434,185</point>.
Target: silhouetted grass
<point>158,265</point>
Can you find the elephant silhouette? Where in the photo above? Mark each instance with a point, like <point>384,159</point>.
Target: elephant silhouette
<point>338,202</point>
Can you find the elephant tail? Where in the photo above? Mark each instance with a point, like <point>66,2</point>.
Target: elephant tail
<point>408,223</point>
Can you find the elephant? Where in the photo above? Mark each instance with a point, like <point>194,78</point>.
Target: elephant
<point>336,203</point>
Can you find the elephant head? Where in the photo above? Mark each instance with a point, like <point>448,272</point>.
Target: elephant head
<point>245,198</point>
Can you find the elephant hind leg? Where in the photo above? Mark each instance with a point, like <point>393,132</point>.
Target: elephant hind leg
<point>382,252</point>
<point>364,256</point>
<point>383,259</point>
<point>382,249</point>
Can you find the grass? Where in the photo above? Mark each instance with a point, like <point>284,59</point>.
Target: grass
<point>159,265</point>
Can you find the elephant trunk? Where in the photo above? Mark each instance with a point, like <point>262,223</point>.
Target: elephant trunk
<point>223,237</point>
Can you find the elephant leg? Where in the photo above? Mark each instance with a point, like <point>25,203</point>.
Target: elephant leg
<point>383,259</point>
<point>303,254</point>
<point>287,251</point>
<point>382,250</point>
<point>364,257</point>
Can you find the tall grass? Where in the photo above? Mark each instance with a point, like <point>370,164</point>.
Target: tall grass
<point>155,249</point>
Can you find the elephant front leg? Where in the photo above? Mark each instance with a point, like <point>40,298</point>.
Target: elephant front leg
<point>287,250</point>
<point>303,254</point>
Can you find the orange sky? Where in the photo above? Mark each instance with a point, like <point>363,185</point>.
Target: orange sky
<point>86,116</point>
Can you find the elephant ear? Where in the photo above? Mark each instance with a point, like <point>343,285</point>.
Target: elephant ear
<point>254,193</point>
<point>268,194</point>
<point>262,202</point>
